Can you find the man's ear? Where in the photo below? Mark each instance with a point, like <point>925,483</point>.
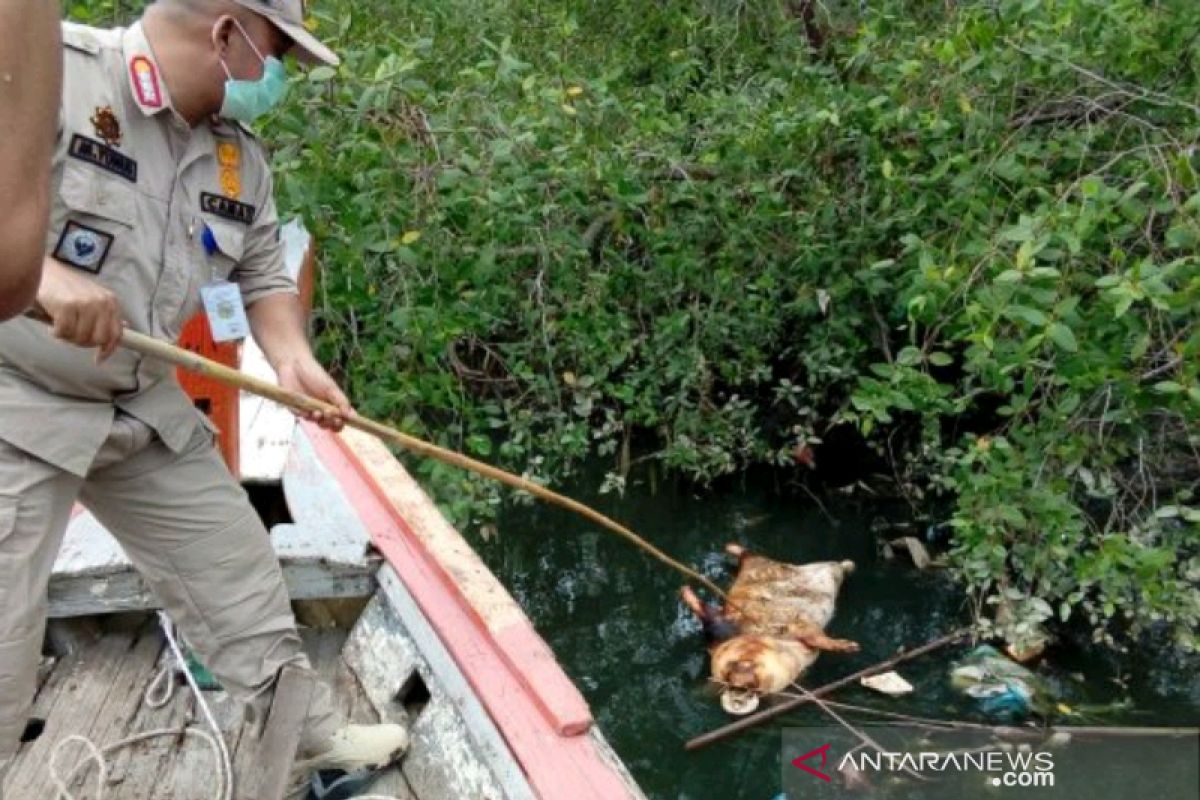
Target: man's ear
<point>222,30</point>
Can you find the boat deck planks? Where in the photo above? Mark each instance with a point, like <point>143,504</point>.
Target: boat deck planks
<point>99,692</point>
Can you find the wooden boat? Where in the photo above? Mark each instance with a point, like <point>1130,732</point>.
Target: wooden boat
<point>400,616</point>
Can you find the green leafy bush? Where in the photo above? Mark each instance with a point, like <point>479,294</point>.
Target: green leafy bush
<point>703,233</point>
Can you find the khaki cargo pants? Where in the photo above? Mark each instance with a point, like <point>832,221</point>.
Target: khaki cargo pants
<point>188,527</point>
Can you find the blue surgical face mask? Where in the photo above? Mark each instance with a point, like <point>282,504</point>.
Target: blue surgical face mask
<point>246,101</point>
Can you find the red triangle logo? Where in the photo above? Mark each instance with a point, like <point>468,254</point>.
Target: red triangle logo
<point>822,751</point>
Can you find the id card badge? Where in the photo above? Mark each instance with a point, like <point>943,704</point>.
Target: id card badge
<point>225,312</point>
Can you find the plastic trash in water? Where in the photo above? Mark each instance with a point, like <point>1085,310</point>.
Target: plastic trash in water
<point>1004,689</point>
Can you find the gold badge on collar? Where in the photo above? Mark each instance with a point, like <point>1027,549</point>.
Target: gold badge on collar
<point>107,126</point>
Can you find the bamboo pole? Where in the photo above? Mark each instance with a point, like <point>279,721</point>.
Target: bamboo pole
<point>198,364</point>
<point>795,702</point>
<point>1014,731</point>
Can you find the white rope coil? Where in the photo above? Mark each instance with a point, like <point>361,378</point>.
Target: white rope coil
<point>157,695</point>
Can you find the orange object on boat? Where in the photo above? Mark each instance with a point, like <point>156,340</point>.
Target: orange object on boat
<point>217,400</point>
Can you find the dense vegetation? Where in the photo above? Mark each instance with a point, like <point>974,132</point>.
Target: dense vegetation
<point>709,234</point>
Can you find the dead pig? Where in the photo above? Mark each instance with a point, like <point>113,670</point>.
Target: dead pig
<point>772,626</point>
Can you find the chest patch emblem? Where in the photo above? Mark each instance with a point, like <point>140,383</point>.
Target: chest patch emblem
<point>231,182</point>
<point>229,159</point>
<point>103,156</point>
<point>107,126</point>
<point>83,247</point>
<point>227,208</point>
<point>229,154</point>
<point>145,82</point>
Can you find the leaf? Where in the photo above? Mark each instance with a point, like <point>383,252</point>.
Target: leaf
<point>409,237</point>
<point>1091,186</point>
<point>1062,336</point>
<point>321,74</point>
<point>940,359</point>
<point>909,356</point>
<point>1030,315</point>
<point>1182,237</point>
<point>1167,387</point>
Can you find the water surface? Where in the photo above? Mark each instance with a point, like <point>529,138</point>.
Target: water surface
<point>614,620</point>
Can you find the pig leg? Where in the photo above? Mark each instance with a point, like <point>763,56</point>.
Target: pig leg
<point>817,640</point>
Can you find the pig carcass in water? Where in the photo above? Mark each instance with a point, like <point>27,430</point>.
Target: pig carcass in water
<point>772,626</point>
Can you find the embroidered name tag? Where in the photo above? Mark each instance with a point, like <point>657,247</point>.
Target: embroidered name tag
<point>104,157</point>
<point>83,247</point>
<point>227,208</point>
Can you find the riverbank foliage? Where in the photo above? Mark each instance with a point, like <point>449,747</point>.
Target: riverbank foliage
<point>709,234</point>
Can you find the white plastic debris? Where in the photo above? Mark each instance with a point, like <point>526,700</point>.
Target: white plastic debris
<point>889,683</point>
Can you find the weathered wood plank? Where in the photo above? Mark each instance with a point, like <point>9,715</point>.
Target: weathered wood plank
<point>81,698</point>
<point>277,749</point>
<point>456,750</point>
<point>124,590</point>
<point>128,688</point>
<point>326,527</point>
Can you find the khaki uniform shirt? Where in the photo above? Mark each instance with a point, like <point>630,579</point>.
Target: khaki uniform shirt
<point>153,210</point>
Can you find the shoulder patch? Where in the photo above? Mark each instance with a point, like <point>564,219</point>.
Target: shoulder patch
<point>81,38</point>
<point>83,247</point>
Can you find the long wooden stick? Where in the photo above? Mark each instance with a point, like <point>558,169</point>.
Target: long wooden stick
<point>796,702</point>
<point>198,364</point>
<point>1013,731</point>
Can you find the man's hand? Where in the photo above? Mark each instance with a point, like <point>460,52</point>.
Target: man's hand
<point>306,376</point>
<point>82,312</point>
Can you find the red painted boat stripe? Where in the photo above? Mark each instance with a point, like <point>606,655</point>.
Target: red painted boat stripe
<point>558,766</point>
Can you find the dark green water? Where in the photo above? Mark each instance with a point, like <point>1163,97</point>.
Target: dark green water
<point>613,617</point>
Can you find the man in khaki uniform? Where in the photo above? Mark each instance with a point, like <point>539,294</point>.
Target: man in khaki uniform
<point>158,195</point>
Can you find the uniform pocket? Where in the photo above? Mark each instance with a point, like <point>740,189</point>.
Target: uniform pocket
<point>225,244</point>
<point>90,193</point>
<point>99,220</point>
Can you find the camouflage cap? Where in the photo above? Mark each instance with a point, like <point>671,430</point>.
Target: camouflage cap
<point>288,16</point>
